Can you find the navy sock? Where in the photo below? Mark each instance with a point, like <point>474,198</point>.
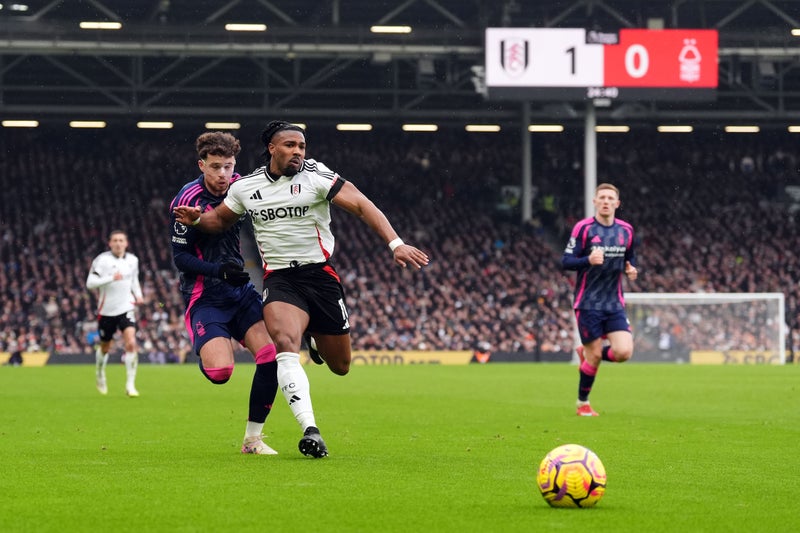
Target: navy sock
<point>263,391</point>
<point>605,356</point>
<point>585,386</point>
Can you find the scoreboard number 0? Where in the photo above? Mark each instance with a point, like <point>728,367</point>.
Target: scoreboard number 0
<point>637,61</point>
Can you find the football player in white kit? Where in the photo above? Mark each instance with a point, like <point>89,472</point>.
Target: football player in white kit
<point>115,275</point>
<point>288,201</point>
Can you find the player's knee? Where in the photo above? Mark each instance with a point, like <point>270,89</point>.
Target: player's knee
<point>285,342</point>
<point>218,376</point>
<point>623,354</point>
<point>593,357</point>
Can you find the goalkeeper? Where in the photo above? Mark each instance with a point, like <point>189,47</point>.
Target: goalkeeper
<point>601,250</point>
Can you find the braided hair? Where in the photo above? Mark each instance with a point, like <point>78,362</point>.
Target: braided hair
<point>274,127</point>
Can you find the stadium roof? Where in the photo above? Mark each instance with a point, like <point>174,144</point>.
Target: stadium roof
<point>319,60</point>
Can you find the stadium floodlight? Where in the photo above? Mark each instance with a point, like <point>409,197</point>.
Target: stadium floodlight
<point>545,128</point>
<point>87,124</point>
<point>742,129</point>
<point>390,29</point>
<point>796,32</point>
<point>154,125</point>
<point>420,127</point>
<point>246,27</point>
<point>675,129</point>
<point>93,25</point>
<point>354,127</point>
<point>794,129</point>
<point>482,128</point>
<point>223,125</point>
<point>20,123</point>
<point>612,129</point>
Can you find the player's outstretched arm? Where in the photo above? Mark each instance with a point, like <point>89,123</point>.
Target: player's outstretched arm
<point>215,221</point>
<point>354,201</point>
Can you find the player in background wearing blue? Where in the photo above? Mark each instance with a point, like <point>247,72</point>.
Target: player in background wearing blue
<point>601,250</point>
<point>221,303</point>
<point>289,201</point>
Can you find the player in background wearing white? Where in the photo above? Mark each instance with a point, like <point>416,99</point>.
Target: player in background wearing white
<point>115,275</point>
<point>288,201</point>
<point>601,249</point>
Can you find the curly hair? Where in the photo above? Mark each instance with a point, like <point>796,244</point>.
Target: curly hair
<point>217,143</point>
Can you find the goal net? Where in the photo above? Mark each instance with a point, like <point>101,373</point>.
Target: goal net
<point>708,328</point>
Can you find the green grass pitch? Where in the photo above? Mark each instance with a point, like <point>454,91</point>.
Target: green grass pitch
<point>413,448</point>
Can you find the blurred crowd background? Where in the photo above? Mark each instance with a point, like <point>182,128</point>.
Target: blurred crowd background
<point>714,212</point>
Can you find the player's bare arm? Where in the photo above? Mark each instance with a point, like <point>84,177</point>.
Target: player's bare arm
<point>215,221</point>
<point>353,201</point>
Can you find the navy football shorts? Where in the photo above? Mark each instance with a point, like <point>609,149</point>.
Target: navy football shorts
<point>593,324</point>
<point>231,319</point>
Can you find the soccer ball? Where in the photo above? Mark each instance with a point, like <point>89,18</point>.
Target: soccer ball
<point>571,476</point>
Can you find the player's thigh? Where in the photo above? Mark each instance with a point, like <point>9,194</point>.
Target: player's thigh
<point>257,337</point>
<point>129,338</point>
<point>335,349</point>
<point>248,325</point>
<point>285,323</point>
<point>593,351</point>
<point>217,353</point>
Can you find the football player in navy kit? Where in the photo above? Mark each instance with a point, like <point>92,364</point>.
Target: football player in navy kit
<point>601,250</point>
<point>288,201</point>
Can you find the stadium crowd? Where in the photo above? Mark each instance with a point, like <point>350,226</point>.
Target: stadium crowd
<point>711,212</point>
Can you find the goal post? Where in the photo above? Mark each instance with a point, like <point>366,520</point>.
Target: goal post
<point>708,328</point>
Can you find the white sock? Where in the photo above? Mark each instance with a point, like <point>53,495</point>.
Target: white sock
<point>131,362</point>
<point>101,359</point>
<point>253,429</point>
<point>293,382</point>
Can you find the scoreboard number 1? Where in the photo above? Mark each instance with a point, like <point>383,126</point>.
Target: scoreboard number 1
<point>571,52</point>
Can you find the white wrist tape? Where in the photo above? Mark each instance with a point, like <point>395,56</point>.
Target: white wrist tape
<point>395,243</point>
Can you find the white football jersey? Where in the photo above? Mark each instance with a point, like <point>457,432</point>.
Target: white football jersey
<point>291,215</point>
<point>115,297</point>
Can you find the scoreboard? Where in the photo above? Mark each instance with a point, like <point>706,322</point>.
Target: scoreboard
<point>572,64</point>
